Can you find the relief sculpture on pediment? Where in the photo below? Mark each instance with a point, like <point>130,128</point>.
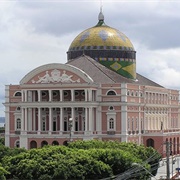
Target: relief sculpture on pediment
<point>54,77</point>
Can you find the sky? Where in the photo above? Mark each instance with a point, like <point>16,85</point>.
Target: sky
<point>38,32</point>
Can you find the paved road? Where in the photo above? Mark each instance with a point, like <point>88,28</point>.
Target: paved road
<point>162,172</point>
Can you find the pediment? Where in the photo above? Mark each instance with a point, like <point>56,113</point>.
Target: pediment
<point>56,73</point>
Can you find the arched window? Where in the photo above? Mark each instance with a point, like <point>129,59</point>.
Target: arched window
<point>141,94</point>
<point>128,93</point>
<point>18,124</point>
<point>44,143</point>
<point>18,108</point>
<point>33,144</point>
<point>111,108</point>
<point>76,93</point>
<point>111,93</point>
<point>44,93</point>
<point>55,93</point>
<point>17,93</point>
<point>132,93</point>
<point>17,144</point>
<point>111,124</point>
<point>150,143</point>
<point>128,123</point>
<point>65,93</point>
<point>55,143</point>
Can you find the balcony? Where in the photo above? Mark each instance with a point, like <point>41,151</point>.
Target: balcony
<point>111,132</point>
<point>18,132</point>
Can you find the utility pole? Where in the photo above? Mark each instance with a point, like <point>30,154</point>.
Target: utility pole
<point>167,159</point>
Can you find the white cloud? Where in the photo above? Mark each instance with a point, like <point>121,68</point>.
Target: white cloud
<point>160,66</point>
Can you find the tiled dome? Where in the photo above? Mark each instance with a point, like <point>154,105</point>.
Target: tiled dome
<point>107,45</point>
<point>99,37</point>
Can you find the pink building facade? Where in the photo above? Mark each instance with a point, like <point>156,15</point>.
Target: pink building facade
<point>39,108</point>
<point>89,98</point>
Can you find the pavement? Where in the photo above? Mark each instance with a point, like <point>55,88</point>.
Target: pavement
<point>174,162</point>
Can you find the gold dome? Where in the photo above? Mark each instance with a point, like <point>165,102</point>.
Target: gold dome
<point>101,36</point>
<point>108,46</point>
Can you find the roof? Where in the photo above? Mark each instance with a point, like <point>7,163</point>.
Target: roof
<point>101,74</point>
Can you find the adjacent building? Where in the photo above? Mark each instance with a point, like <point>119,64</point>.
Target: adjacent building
<point>97,94</point>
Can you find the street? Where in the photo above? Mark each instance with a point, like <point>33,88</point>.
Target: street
<point>174,162</point>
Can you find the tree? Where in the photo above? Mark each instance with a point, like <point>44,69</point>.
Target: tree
<point>79,160</point>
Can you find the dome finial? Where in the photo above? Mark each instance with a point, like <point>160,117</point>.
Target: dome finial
<point>101,16</point>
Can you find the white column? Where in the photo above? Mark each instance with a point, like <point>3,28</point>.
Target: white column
<point>90,94</point>
<point>86,94</point>
<point>22,95</point>
<point>25,120</point>
<point>61,94</point>
<point>30,118</point>
<point>90,119</point>
<point>86,119</point>
<point>50,95</point>
<point>139,124</point>
<point>34,118</point>
<point>39,95</point>
<point>73,119</point>
<point>39,120</point>
<point>50,120</point>
<point>98,120</point>
<point>124,128</point>
<point>7,127</point>
<point>61,120</point>
<point>22,121</point>
<point>25,91</point>
<point>124,92</point>
<point>72,94</point>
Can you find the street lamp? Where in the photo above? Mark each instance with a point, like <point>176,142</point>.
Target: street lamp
<point>137,164</point>
<point>70,128</point>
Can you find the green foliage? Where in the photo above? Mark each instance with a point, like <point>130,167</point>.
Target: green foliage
<point>2,141</point>
<point>3,172</point>
<point>79,160</point>
<point>6,151</point>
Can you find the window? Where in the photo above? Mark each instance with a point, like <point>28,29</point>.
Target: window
<point>18,108</point>
<point>76,93</point>
<point>84,123</point>
<point>17,94</point>
<point>132,93</point>
<point>65,93</point>
<point>132,124</point>
<point>17,144</point>
<point>128,123</point>
<point>111,124</point>
<point>55,93</point>
<point>111,93</point>
<point>83,93</point>
<point>18,124</point>
<point>44,93</point>
<point>43,124</point>
<point>111,108</point>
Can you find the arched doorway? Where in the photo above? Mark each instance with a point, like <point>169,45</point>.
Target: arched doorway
<point>150,143</point>
<point>178,145</point>
<point>44,143</point>
<point>174,146</point>
<point>65,143</point>
<point>33,144</point>
<point>55,143</point>
<point>17,144</point>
